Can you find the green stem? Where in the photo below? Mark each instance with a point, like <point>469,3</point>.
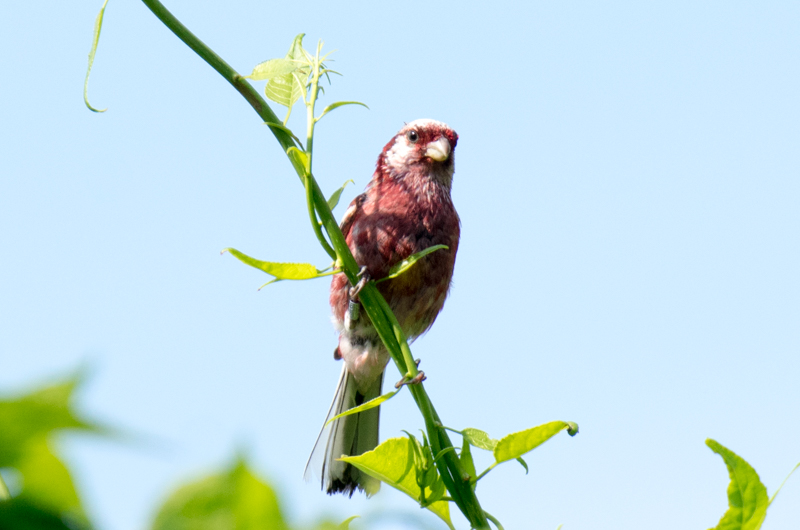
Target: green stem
<point>449,467</point>
<point>310,104</point>
<point>225,70</point>
<point>408,359</point>
<point>782,483</point>
<point>310,122</point>
<point>495,521</point>
<point>485,471</point>
<point>307,180</point>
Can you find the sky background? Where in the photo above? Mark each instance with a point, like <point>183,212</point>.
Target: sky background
<point>628,180</point>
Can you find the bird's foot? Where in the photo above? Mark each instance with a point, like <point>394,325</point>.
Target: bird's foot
<point>417,379</point>
<point>364,278</point>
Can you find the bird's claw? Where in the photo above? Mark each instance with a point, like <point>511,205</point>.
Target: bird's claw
<point>364,278</point>
<point>417,379</point>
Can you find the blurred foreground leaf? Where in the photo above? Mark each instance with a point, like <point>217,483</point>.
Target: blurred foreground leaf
<point>28,425</point>
<point>32,417</point>
<point>18,514</point>
<point>232,500</point>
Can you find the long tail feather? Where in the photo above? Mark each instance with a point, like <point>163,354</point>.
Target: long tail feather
<point>348,436</point>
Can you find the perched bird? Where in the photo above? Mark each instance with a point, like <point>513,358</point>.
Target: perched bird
<point>405,209</point>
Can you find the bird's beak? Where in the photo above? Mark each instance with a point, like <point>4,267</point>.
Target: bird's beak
<point>438,150</point>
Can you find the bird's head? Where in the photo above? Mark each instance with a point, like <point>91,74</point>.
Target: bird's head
<point>422,146</point>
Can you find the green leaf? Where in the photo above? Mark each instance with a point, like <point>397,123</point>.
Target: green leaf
<point>286,89</point>
<point>300,158</point>
<point>393,463</point>
<point>747,496</point>
<point>443,452</point>
<point>334,200</point>
<point>466,459</point>
<point>437,491</point>
<point>409,262</point>
<point>273,68</point>
<point>235,499</point>
<point>517,444</point>
<point>339,104</point>
<point>284,128</point>
<point>371,404</point>
<point>427,475</point>
<point>98,25</point>
<point>479,439</point>
<point>523,463</point>
<point>281,271</point>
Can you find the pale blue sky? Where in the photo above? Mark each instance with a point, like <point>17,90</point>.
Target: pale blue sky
<point>628,179</point>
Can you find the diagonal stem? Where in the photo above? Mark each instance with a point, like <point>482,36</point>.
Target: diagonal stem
<point>389,330</point>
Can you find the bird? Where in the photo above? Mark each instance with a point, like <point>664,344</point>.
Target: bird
<point>406,208</point>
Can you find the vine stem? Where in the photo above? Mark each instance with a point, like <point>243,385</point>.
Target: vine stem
<point>373,302</point>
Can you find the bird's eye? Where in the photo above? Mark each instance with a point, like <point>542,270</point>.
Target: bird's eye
<point>412,136</point>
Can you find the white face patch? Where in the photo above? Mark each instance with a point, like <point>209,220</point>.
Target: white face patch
<point>402,151</point>
<point>400,154</point>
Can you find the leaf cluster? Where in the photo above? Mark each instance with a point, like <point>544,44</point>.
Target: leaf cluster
<point>295,76</point>
<point>407,464</point>
<point>45,498</point>
<point>29,427</point>
<point>234,499</point>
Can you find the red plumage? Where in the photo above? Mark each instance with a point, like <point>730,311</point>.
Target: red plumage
<point>405,209</point>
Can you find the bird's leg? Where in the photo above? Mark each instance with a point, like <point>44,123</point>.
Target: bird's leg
<point>354,307</point>
<point>417,379</point>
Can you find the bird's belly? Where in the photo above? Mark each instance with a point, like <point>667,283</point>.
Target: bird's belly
<point>416,298</point>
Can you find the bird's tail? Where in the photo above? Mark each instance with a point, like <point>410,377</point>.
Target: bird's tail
<point>348,436</point>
